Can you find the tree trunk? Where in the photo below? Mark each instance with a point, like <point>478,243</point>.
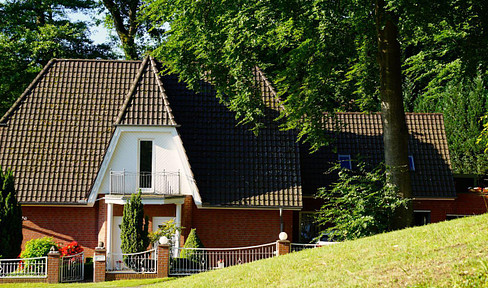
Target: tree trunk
<point>395,132</point>
<point>126,34</point>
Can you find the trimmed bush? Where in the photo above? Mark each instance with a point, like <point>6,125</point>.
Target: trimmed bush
<point>168,229</point>
<point>193,242</point>
<point>38,247</point>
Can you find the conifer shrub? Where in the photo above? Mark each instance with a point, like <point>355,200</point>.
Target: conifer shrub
<point>194,256</point>
<point>10,217</point>
<point>134,229</point>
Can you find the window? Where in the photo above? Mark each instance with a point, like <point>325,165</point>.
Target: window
<point>421,217</point>
<point>411,164</point>
<point>345,161</point>
<point>455,216</point>
<point>145,163</point>
<point>309,229</point>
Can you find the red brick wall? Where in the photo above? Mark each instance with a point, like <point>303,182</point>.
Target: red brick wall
<point>239,227</point>
<point>464,204</point>
<point>64,224</point>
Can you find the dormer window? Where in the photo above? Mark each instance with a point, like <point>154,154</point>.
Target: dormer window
<point>411,163</point>
<point>145,163</point>
<point>345,161</point>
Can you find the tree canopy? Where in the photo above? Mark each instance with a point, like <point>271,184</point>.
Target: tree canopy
<point>133,31</point>
<point>34,31</point>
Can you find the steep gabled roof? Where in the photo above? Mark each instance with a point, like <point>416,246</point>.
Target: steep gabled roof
<point>232,166</point>
<point>57,133</point>
<point>362,134</point>
<point>55,136</point>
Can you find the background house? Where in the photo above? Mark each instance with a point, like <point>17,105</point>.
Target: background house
<point>359,137</point>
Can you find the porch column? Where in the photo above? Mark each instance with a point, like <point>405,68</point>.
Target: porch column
<point>178,224</point>
<point>110,213</point>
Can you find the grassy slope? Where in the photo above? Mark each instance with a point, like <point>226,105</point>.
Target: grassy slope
<point>447,254</point>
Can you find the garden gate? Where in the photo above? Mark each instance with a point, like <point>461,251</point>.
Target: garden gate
<point>71,268</point>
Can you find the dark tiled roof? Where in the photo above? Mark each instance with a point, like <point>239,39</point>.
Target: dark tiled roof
<point>59,129</point>
<point>232,166</point>
<point>362,134</point>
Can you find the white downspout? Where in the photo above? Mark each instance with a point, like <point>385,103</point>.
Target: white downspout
<point>178,224</point>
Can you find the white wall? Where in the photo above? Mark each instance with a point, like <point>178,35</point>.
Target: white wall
<point>166,154</point>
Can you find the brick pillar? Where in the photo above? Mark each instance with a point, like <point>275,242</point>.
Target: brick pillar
<point>99,261</point>
<point>282,247</point>
<point>163,260</point>
<point>53,266</point>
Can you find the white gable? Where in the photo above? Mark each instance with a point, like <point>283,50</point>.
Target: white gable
<point>168,156</point>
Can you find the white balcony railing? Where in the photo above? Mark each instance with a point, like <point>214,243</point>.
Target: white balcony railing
<point>161,183</point>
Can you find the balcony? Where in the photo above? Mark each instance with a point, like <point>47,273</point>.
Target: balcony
<point>160,183</point>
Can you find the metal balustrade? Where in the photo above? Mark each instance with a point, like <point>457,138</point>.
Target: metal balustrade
<point>162,183</point>
<point>72,267</point>
<point>23,268</point>
<point>196,260</point>
<point>142,262</point>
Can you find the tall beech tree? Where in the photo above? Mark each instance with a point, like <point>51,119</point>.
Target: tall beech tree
<point>322,56</point>
<point>131,29</point>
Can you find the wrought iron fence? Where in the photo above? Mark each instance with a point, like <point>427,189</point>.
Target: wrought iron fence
<point>23,268</point>
<point>72,268</point>
<point>196,260</point>
<point>142,262</point>
<point>296,247</point>
<point>163,183</point>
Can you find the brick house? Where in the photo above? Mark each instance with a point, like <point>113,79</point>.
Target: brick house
<point>87,133</point>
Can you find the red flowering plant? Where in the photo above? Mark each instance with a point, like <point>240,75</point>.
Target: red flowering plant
<point>71,249</point>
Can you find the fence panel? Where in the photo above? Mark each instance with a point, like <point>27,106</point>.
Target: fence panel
<point>23,268</point>
<point>187,261</point>
<point>72,268</point>
<point>142,262</point>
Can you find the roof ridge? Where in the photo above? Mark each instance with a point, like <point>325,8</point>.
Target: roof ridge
<point>270,86</point>
<point>132,89</point>
<point>27,90</point>
<point>373,113</point>
<point>97,60</point>
<point>167,107</point>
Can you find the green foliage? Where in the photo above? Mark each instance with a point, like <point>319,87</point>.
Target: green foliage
<point>134,228</point>
<point>32,33</point>
<point>133,33</point>
<point>463,103</point>
<point>359,204</point>
<point>168,229</point>
<point>38,247</point>
<point>192,242</point>
<point>10,217</point>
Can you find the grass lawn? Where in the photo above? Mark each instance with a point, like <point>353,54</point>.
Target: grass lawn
<point>447,254</point>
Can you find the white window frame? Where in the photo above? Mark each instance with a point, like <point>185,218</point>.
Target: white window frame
<point>153,164</point>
